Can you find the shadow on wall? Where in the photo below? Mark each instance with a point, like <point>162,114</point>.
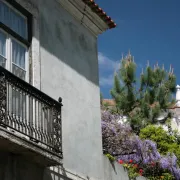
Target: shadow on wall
<point>59,173</point>
<point>69,41</point>
<point>112,171</point>
<point>52,174</point>
<point>14,167</point>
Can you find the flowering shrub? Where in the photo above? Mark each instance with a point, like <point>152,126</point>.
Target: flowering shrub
<point>139,157</point>
<point>134,171</point>
<point>116,136</point>
<point>166,141</point>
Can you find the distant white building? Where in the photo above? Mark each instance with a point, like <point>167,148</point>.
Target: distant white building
<point>175,123</point>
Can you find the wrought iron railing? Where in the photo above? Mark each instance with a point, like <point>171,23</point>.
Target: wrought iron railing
<point>28,111</point>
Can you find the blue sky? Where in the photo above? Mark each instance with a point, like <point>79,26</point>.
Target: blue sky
<point>149,28</point>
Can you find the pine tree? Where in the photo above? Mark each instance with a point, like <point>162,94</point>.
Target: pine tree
<point>144,100</point>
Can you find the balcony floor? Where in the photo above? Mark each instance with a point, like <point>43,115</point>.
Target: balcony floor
<point>13,142</point>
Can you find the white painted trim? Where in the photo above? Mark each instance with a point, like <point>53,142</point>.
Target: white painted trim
<point>8,56</point>
<point>26,70</point>
<point>79,10</point>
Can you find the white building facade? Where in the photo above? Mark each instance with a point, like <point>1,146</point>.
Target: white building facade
<point>48,49</point>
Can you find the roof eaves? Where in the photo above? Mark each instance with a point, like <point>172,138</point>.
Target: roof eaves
<point>95,8</point>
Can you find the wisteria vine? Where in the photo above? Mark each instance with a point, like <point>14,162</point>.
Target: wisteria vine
<point>120,142</point>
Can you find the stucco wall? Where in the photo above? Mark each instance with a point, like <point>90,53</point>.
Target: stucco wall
<point>69,68</point>
<point>111,171</point>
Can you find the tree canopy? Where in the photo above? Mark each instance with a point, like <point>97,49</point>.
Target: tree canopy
<point>142,99</point>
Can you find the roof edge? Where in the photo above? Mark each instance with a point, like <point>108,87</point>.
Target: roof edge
<point>96,9</point>
<point>84,14</point>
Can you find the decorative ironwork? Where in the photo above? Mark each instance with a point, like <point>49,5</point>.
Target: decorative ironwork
<point>3,94</point>
<point>31,112</point>
<point>57,128</point>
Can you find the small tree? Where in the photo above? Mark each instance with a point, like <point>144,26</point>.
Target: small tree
<point>144,100</point>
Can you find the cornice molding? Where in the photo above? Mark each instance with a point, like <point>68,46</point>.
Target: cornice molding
<point>79,10</point>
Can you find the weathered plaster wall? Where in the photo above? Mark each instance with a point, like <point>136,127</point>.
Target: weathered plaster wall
<point>175,124</point>
<point>69,68</point>
<point>111,172</point>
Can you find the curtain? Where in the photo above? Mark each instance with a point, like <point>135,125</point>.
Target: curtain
<point>2,49</point>
<point>16,97</point>
<point>13,20</point>
<point>19,103</point>
<point>18,24</point>
<point>18,68</point>
<point>4,14</point>
<point>18,59</point>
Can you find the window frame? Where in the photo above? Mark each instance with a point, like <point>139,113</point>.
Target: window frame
<point>6,45</point>
<point>8,51</point>
<point>26,69</point>
<point>7,57</point>
<point>24,13</point>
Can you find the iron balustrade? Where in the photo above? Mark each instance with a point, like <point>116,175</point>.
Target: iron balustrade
<point>28,111</point>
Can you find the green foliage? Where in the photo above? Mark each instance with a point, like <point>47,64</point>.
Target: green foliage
<point>142,102</point>
<point>110,157</point>
<point>132,171</point>
<point>166,143</point>
<point>165,176</point>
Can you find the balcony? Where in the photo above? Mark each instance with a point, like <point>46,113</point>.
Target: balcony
<point>30,121</point>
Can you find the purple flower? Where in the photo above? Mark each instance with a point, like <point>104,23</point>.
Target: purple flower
<point>164,163</point>
<point>174,160</point>
<point>122,143</point>
<point>176,172</point>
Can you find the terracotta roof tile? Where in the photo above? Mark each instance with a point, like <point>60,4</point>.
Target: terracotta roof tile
<point>94,7</point>
<point>110,102</point>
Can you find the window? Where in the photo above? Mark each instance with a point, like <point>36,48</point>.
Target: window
<point>15,37</point>
<point>2,49</point>
<point>13,19</point>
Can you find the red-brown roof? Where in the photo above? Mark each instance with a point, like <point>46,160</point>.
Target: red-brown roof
<point>110,102</point>
<point>94,7</point>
